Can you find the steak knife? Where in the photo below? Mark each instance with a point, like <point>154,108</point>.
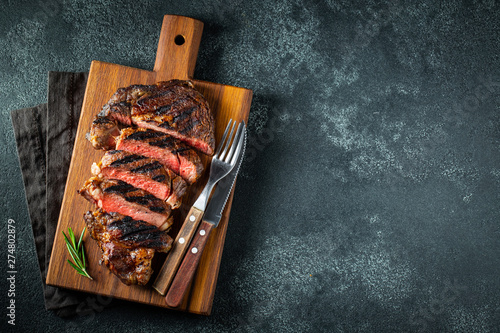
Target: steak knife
<point>211,219</point>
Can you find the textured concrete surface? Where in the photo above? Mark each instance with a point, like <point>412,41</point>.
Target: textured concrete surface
<point>369,197</point>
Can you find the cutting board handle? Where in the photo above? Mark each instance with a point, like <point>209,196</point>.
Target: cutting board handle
<point>178,46</point>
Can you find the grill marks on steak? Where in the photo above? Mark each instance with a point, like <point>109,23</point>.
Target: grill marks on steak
<point>117,196</point>
<point>125,231</point>
<point>144,173</point>
<point>172,107</point>
<point>180,111</point>
<point>172,153</point>
<point>127,245</point>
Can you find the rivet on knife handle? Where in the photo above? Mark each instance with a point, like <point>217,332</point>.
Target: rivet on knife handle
<point>188,267</point>
<point>178,250</point>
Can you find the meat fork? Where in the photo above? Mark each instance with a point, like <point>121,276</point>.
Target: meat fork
<point>222,163</point>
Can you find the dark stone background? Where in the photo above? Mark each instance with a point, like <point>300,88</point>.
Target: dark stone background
<point>369,197</point>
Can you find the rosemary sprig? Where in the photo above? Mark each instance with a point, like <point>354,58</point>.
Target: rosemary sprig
<point>77,252</point>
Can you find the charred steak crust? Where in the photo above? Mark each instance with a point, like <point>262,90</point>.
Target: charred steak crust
<point>173,107</point>
<point>144,173</point>
<point>132,194</point>
<point>126,231</point>
<point>117,196</point>
<point>103,132</point>
<point>178,110</point>
<point>171,152</point>
<point>127,245</point>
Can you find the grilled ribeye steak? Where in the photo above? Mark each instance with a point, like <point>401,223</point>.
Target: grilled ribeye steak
<point>173,107</point>
<point>125,231</point>
<point>117,196</point>
<point>142,172</point>
<point>171,152</point>
<point>132,266</point>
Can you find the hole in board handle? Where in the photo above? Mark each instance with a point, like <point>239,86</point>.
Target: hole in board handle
<point>179,40</point>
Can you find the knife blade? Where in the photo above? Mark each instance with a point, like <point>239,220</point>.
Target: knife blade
<point>211,219</point>
<point>193,219</point>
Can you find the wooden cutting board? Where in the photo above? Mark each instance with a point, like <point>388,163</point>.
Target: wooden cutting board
<point>175,59</point>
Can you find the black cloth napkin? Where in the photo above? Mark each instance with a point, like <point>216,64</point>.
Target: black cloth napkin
<point>44,136</point>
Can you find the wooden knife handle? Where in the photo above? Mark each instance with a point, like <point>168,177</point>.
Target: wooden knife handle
<point>181,243</point>
<point>188,267</point>
<point>180,39</point>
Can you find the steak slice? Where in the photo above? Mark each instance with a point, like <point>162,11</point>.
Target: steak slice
<point>125,231</point>
<point>132,266</point>
<point>117,196</point>
<point>142,172</point>
<point>173,107</point>
<point>172,153</point>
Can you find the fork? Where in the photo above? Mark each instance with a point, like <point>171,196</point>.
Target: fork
<point>222,163</point>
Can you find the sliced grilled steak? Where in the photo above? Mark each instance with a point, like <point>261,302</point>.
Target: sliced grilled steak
<point>132,266</point>
<point>169,151</point>
<point>125,231</point>
<point>174,107</point>
<point>117,196</point>
<point>142,172</point>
